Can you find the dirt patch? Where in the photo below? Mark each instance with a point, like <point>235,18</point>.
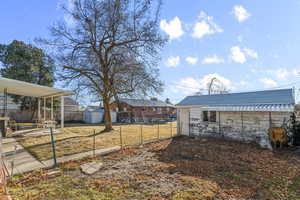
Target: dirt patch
<point>240,170</point>
<point>231,169</point>
<point>143,170</point>
<point>177,169</point>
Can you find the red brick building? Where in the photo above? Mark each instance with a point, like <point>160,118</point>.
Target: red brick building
<point>143,110</point>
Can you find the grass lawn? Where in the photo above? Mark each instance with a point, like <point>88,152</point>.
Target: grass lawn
<point>79,139</point>
<point>177,169</point>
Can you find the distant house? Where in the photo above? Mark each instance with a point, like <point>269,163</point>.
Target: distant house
<point>143,110</point>
<point>73,110</point>
<point>11,105</point>
<point>93,107</point>
<point>71,105</point>
<point>13,109</point>
<point>243,116</point>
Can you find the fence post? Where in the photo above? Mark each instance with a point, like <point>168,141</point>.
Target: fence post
<point>13,161</point>
<point>142,141</point>
<point>171,130</point>
<point>158,131</point>
<point>121,141</point>
<point>94,143</point>
<point>155,132</point>
<point>53,147</point>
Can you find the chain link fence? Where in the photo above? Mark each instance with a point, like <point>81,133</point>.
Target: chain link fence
<point>89,138</point>
<point>144,133</point>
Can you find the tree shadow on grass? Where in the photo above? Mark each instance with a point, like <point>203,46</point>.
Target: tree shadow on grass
<point>61,140</point>
<point>237,168</point>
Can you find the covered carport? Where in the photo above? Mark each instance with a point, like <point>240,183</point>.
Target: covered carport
<point>43,93</point>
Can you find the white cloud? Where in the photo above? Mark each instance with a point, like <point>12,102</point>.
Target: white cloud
<point>191,60</point>
<point>207,79</point>
<point>237,55</point>
<point>212,60</point>
<point>251,53</point>
<point>173,61</point>
<point>240,13</point>
<point>173,28</point>
<point>189,85</point>
<point>205,26</point>
<point>280,73</point>
<point>243,83</point>
<point>296,71</point>
<point>268,83</point>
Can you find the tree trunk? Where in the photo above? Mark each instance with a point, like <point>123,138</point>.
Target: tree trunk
<point>107,117</point>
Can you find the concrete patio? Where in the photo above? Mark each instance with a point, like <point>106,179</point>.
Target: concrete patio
<point>18,160</point>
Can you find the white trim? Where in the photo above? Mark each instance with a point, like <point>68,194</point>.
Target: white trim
<point>52,108</point>
<point>246,108</point>
<point>44,109</point>
<point>39,109</point>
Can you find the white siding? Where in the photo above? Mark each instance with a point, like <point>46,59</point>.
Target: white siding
<point>198,126</point>
<point>249,126</point>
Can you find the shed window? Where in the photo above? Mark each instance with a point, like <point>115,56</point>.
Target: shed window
<point>212,116</point>
<point>205,116</point>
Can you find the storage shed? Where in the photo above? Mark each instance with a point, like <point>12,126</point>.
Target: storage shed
<point>243,116</point>
<point>95,116</point>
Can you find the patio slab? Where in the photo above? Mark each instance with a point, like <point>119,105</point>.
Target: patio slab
<point>17,159</point>
<point>49,163</point>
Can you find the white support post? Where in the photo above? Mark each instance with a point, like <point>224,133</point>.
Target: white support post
<point>44,109</point>
<point>62,112</point>
<point>39,109</point>
<point>52,118</point>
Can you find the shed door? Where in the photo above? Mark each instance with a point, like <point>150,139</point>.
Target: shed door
<point>184,121</point>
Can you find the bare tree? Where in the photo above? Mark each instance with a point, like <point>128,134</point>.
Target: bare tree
<point>213,86</point>
<point>216,86</point>
<point>111,49</point>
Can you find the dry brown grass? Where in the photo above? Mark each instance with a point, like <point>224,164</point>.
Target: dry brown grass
<point>179,169</point>
<point>77,139</point>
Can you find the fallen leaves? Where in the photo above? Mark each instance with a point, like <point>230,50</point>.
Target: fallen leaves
<point>178,169</point>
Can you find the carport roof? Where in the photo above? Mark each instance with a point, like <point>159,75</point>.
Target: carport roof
<point>29,89</point>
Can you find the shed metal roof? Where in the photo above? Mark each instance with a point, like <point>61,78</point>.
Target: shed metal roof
<point>145,103</point>
<point>276,100</point>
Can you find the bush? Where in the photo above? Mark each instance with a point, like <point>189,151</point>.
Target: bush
<point>295,130</point>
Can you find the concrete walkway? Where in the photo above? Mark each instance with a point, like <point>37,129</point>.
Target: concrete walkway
<point>77,156</point>
<point>25,162</point>
<point>22,160</point>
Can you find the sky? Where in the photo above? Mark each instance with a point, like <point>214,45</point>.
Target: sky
<point>247,44</point>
